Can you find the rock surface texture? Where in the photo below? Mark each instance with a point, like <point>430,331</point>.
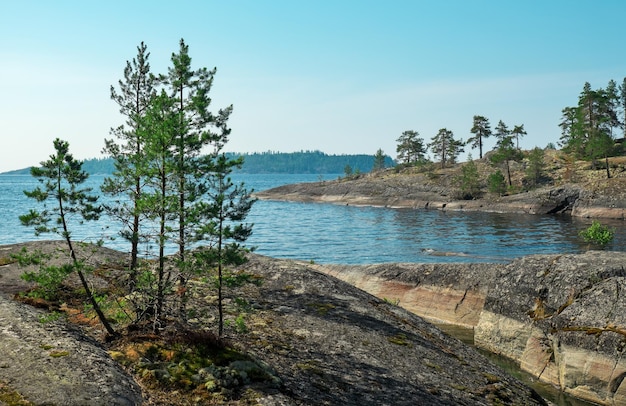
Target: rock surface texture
<point>560,317</point>
<point>50,363</point>
<point>342,346</point>
<point>326,341</point>
<point>417,191</point>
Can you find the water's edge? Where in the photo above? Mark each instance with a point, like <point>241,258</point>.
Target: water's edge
<point>547,391</point>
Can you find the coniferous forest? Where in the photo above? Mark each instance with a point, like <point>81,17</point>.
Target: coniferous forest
<point>303,162</point>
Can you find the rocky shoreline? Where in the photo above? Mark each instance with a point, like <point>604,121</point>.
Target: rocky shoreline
<point>325,341</point>
<point>561,318</point>
<point>606,199</point>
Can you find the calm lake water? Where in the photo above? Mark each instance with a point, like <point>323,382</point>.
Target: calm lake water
<point>327,233</point>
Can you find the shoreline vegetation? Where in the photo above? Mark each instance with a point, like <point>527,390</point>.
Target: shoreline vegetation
<point>567,186</point>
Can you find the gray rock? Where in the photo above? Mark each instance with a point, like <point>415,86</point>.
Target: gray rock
<point>51,363</point>
<point>560,317</point>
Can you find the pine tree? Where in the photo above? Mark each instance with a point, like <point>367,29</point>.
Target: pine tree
<point>61,177</point>
<point>222,229</point>
<point>536,166</point>
<point>622,104</point>
<point>481,130</point>
<point>445,147</point>
<point>501,132</point>
<point>200,136</point>
<point>379,161</point>
<point>470,180</point>
<point>572,138</point>
<point>410,148</point>
<point>596,119</point>
<point>611,107</point>
<point>518,132</point>
<point>506,152</point>
<point>159,201</point>
<point>133,98</point>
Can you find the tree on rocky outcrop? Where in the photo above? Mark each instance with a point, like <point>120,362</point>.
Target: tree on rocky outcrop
<point>133,97</point>
<point>536,166</point>
<point>170,148</point>
<point>410,148</point>
<point>222,229</point>
<point>518,132</point>
<point>622,100</point>
<point>481,130</point>
<point>598,118</point>
<point>379,161</point>
<point>504,153</point>
<point>612,107</point>
<point>571,140</point>
<point>501,132</point>
<point>496,183</point>
<point>200,135</point>
<point>445,147</point>
<point>469,181</point>
<point>64,202</point>
<point>159,205</point>
<point>588,128</point>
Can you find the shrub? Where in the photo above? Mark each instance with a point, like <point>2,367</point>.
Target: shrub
<point>469,181</point>
<point>597,234</point>
<point>496,183</point>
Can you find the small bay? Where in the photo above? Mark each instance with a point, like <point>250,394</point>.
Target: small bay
<point>328,233</point>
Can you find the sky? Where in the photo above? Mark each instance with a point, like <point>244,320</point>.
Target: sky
<point>337,76</point>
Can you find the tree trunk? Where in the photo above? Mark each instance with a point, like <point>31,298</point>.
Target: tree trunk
<point>508,172</point>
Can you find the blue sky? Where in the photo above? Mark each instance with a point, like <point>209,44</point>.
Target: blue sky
<point>341,76</point>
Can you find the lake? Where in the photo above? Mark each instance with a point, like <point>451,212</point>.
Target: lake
<point>327,233</point>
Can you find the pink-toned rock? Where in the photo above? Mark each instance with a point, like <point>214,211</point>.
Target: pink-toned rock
<point>561,317</point>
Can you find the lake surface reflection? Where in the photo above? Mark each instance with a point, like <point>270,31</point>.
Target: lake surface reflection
<point>327,233</point>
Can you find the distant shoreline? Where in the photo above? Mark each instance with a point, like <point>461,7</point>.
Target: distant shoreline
<point>303,162</point>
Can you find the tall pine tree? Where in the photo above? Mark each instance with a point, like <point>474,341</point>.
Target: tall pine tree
<point>481,130</point>
<point>200,136</point>
<point>133,97</point>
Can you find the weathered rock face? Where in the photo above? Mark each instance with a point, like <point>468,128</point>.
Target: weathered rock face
<point>598,204</point>
<point>442,293</point>
<point>340,345</point>
<point>327,342</point>
<point>418,192</point>
<point>562,317</point>
<point>52,364</point>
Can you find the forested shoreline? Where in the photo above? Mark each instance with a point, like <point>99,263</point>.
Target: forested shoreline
<point>302,162</point>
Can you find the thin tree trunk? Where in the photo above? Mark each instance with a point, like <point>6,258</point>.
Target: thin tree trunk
<point>508,172</point>
<point>81,276</point>
<point>219,275</point>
